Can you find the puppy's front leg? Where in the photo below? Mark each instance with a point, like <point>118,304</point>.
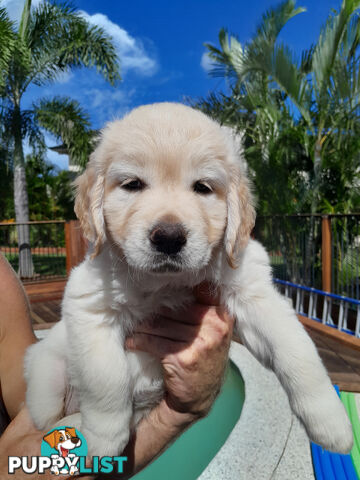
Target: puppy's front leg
<point>270,329</point>
<point>103,380</point>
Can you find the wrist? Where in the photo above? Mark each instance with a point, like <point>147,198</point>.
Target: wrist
<point>170,417</point>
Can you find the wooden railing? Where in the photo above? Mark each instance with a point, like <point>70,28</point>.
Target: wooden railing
<point>76,244</point>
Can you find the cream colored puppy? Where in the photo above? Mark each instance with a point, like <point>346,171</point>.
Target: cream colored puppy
<point>165,204</point>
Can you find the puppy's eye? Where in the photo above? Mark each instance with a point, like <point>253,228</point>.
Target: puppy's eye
<point>61,439</point>
<point>133,185</point>
<point>202,187</point>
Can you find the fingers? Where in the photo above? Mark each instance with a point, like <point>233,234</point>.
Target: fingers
<point>207,294</point>
<point>158,346</point>
<point>162,336</point>
<point>196,313</point>
<point>168,328</point>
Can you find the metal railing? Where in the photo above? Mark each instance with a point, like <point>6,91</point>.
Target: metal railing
<point>320,251</point>
<point>345,254</point>
<point>36,250</point>
<point>336,311</point>
<point>294,245</point>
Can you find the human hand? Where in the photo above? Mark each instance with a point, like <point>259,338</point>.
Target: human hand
<point>21,438</point>
<point>192,345</point>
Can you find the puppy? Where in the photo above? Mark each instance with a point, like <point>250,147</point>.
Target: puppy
<point>166,204</point>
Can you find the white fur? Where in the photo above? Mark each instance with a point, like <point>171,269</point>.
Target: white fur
<point>107,296</point>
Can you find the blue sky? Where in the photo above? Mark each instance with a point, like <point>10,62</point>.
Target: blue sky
<point>161,49</point>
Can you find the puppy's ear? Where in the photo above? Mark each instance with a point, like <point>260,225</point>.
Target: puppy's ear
<point>240,216</point>
<point>71,431</point>
<point>50,438</point>
<point>89,204</point>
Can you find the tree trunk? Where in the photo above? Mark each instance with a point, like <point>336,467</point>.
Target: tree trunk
<point>317,171</point>
<point>21,202</point>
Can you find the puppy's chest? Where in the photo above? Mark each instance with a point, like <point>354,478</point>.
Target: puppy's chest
<point>140,305</point>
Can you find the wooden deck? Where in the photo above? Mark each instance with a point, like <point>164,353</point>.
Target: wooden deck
<point>45,314</point>
<point>341,355</point>
<point>45,291</point>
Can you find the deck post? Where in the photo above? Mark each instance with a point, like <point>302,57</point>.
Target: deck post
<point>326,253</point>
<point>75,243</point>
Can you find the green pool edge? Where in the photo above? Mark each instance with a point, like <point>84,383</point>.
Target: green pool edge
<point>190,454</point>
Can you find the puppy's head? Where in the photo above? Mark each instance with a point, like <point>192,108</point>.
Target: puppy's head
<point>166,186</point>
<point>66,437</point>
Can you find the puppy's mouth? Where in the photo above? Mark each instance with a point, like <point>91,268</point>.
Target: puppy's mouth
<point>169,264</point>
<point>64,451</point>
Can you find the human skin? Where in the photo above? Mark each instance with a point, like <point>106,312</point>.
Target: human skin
<point>192,346</point>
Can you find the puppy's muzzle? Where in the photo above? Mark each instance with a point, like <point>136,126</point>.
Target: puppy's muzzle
<point>168,238</point>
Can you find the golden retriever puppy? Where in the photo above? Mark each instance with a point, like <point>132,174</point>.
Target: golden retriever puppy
<point>166,204</point>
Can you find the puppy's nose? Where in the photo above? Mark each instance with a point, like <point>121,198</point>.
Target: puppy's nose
<point>168,237</point>
<point>75,439</point>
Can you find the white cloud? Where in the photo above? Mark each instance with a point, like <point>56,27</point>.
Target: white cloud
<point>15,8</point>
<point>131,50</point>
<point>108,103</point>
<point>64,77</point>
<point>206,62</point>
<point>101,97</point>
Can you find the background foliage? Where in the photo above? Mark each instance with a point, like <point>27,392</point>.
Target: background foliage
<point>299,115</point>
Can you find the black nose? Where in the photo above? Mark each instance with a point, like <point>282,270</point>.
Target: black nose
<point>168,237</point>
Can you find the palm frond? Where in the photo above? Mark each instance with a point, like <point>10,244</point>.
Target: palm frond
<point>284,70</point>
<point>351,38</point>
<point>329,43</point>
<point>225,58</point>
<point>274,20</point>
<point>306,60</point>
<point>7,42</point>
<point>32,132</point>
<point>25,17</point>
<point>60,39</point>
<point>65,119</point>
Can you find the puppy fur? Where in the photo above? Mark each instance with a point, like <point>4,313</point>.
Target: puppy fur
<point>165,149</point>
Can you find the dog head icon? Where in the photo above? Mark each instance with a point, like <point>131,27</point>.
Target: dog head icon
<point>63,440</point>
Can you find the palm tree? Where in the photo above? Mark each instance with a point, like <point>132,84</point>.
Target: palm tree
<point>320,96</point>
<point>323,89</point>
<point>51,39</point>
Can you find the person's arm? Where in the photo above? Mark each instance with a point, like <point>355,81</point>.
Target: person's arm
<point>16,335</point>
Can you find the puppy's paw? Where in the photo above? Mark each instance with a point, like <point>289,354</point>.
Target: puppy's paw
<point>105,445</point>
<point>44,418</point>
<point>73,421</point>
<point>326,421</point>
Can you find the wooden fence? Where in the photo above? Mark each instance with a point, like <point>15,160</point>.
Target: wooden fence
<point>54,247</point>
<point>76,244</point>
